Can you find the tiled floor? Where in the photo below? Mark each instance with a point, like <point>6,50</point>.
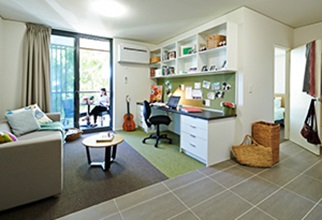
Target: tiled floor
<point>292,189</point>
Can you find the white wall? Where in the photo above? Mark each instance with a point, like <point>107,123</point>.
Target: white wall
<point>11,66</point>
<point>259,36</point>
<point>1,56</point>
<point>307,34</point>
<point>279,70</point>
<point>137,85</point>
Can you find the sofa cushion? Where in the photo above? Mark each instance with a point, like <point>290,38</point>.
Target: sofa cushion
<point>12,136</point>
<point>22,122</point>
<point>38,113</point>
<point>4,138</point>
<point>4,126</point>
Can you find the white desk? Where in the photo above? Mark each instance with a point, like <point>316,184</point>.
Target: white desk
<point>206,136</point>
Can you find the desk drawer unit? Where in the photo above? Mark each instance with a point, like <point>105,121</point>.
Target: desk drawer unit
<point>139,116</point>
<point>208,141</point>
<point>194,137</point>
<point>195,126</point>
<point>195,145</point>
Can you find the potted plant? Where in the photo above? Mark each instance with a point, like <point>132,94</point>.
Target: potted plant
<point>229,108</point>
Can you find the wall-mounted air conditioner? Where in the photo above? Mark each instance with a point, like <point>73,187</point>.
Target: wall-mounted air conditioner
<point>133,54</point>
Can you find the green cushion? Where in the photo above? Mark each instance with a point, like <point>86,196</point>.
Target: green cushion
<point>4,138</point>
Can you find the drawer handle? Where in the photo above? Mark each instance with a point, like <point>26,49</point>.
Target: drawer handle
<point>192,145</point>
<point>193,126</point>
<point>194,136</point>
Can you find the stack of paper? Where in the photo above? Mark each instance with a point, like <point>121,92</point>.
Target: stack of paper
<point>191,109</point>
<point>105,136</point>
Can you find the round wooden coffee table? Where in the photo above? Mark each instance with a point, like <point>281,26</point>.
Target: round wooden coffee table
<point>91,142</point>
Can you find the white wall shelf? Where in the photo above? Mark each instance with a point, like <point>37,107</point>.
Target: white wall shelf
<point>181,62</point>
<point>205,73</point>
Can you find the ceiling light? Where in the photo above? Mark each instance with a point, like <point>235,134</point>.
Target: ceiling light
<point>109,8</point>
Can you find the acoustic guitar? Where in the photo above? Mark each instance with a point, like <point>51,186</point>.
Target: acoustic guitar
<point>128,124</point>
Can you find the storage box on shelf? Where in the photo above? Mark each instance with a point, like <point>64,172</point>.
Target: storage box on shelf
<point>215,40</point>
<point>155,59</point>
<point>152,72</point>
<point>157,72</point>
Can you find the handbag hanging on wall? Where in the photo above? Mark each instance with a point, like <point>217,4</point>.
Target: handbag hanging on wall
<point>309,130</point>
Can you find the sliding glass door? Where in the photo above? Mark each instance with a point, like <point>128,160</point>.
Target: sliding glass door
<point>80,68</point>
<point>62,64</point>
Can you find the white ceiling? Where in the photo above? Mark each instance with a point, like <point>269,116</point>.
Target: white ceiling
<point>153,21</point>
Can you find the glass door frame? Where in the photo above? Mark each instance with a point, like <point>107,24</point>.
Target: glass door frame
<point>76,37</point>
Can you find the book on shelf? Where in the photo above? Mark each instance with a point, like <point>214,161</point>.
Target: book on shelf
<point>191,109</point>
<point>105,137</point>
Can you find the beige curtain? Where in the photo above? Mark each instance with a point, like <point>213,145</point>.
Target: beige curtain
<point>36,70</point>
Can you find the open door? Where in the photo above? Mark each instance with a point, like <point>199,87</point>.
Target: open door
<point>300,101</point>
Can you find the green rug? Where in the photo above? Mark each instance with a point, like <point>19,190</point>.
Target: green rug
<point>166,158</point>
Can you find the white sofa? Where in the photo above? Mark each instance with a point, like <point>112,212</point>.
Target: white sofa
<point>31,168</point>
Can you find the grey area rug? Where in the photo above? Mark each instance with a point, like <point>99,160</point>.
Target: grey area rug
<point>85,186</point>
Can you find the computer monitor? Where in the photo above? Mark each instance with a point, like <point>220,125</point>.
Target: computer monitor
<point>173,102</point>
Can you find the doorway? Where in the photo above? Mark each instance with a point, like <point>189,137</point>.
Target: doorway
<point>280,91</point>
<point>81,66</point>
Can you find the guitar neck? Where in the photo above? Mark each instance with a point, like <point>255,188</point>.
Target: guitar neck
<point>128,108</point>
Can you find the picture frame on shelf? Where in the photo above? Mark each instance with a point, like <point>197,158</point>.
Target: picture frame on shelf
<point>204,68</point>
<point>224,65</point>
<point>192,69</point>
<point>186,50</point>
<point>165,55</point>
<point>172,55</point>
<point>202,48</point>
<point>213,68</point>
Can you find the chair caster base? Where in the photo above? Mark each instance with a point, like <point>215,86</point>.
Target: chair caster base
<point>158,138</point>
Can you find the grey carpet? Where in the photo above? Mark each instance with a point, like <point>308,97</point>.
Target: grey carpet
<point>85,186</point>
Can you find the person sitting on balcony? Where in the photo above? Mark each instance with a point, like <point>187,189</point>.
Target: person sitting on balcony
<point>102,106</point>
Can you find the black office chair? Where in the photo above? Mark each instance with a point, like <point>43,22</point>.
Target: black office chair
<point>156,120</point>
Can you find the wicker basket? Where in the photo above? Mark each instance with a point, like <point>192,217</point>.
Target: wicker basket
<point>268,135</point>
<point>73,134</point>
<point>251,153</point>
